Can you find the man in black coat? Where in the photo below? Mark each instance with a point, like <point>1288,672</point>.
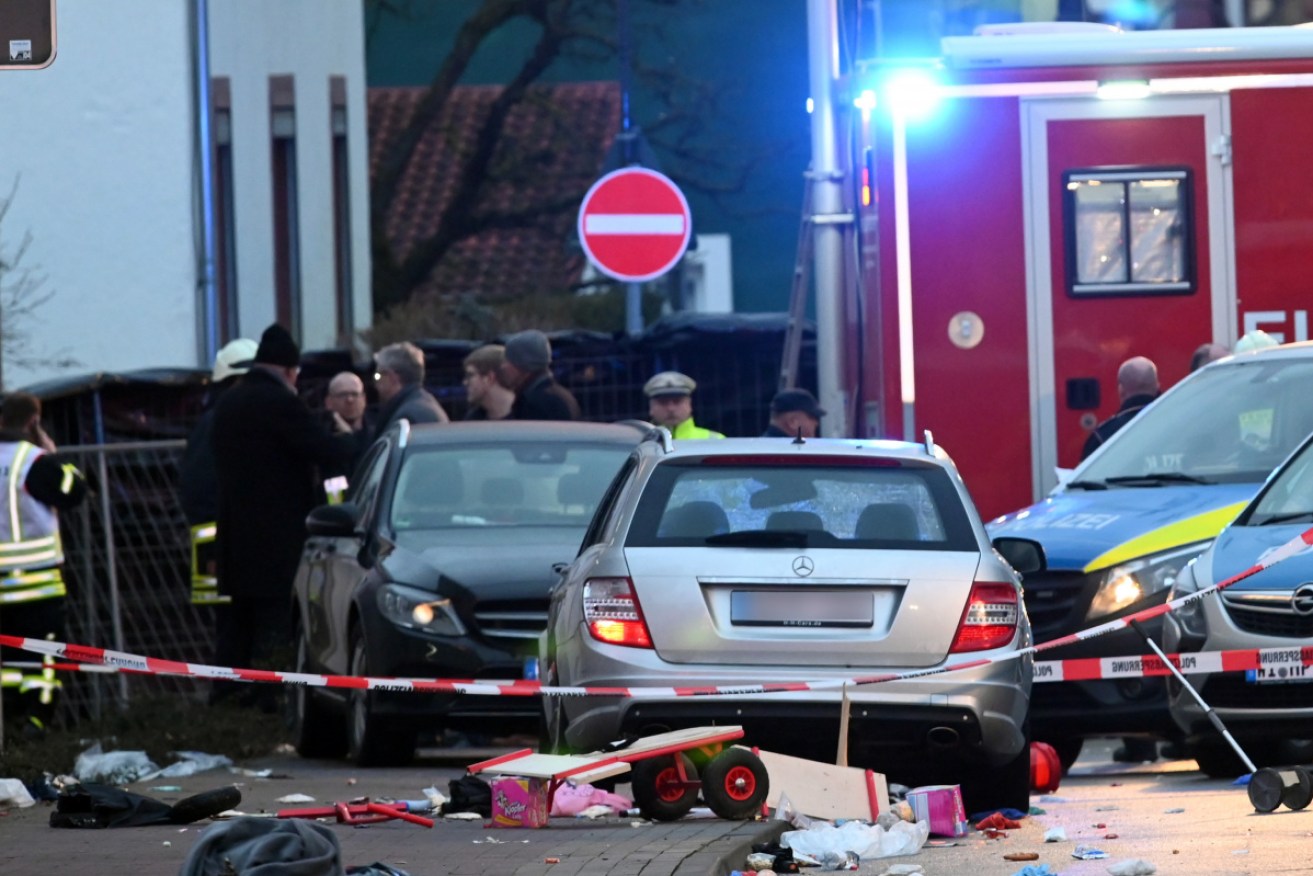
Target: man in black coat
<point>525,370</point>
<point>267,446</point>
<point>1137,385</point>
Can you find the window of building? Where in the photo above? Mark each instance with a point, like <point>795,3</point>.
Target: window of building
<point>341,210</point>
<point>1129,232</point>
<point>287,261</point>
<point>225,231</point>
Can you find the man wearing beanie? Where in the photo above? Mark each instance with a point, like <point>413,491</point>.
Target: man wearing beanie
<point>267,445</point>
<point>525,371</point>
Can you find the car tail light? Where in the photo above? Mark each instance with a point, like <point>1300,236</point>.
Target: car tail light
<point>990,618</point>
<point>613,614</point>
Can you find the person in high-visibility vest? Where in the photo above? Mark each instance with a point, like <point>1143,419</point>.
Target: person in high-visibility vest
<point>670,404</point>
<point>197,481</point>
<point>37,485</point>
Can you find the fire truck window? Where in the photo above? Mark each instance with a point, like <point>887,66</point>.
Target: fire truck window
<point>1128,233</point>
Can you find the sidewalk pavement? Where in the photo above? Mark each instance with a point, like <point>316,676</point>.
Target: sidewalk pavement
<point>617,846</point>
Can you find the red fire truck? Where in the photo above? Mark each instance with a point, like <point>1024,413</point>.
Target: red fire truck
<point>1039,205</point>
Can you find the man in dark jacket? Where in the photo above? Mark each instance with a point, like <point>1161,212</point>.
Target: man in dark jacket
<point>198,482</point>
<point>267,446</point>
<point>399,378</point>
<point>1137,385</point>
<point>525,370</point>
<point>794,412</point>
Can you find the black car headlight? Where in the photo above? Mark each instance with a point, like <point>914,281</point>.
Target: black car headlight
<point>419,610</point>
<point>1125,584</point>
<point>1190,616</point>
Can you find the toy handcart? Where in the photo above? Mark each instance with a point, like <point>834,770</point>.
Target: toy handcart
<point>665,776</point>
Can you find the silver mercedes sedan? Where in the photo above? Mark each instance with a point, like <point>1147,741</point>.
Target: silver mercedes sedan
<point>800,562</point>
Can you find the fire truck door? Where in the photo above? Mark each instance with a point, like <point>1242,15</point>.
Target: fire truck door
<point>1128,254</point>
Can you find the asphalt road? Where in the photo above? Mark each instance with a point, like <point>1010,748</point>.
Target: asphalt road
<point>1166,813</point>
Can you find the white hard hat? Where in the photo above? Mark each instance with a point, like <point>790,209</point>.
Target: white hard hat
<point>1255,340</point>
<point>234,358</point>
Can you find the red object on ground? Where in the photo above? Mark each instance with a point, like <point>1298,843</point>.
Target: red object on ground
<point>1045,768</point>
<point>997,821</point>
<point>367,812</point>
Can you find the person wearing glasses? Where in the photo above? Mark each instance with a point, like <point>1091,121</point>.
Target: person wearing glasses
<point>344,411</point>
<point>399,379</point>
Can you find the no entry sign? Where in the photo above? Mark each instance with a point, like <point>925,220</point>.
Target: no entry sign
<point>634,224</point>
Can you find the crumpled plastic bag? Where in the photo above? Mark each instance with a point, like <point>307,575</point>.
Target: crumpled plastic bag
<point>192,762</point>
<point>1132,867</point>
<point>113,767</point>
<point>867,840</point>
<point>14,793</point>
<point>571,800</point>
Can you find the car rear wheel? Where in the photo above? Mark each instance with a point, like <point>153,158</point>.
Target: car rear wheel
<point>1068,749</point>
<point>373,740</point>
<point>735,784</point>
<point>986,788</point>
<point>316,731</point>
<point>1217,759</point>
<point>658,791</point>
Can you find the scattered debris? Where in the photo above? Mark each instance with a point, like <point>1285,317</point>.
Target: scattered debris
<point>1176,811</point>
<point>551,860</point>
<point>1021,856</point>
<point>14,793</point>
<point>295,798</point>
<point>903,870</point>
<point>998,821</point>
<point>1035,870</point>
<point>1132,867</point>
<point>1088,853</point>
<point>866,840</point>
<point>1055,834</point>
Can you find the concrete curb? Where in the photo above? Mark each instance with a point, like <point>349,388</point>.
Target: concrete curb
<point>728,853</point>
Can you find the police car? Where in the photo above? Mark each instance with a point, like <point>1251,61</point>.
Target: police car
<point>1128,519</point>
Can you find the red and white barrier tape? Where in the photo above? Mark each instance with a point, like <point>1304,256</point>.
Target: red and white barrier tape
<point>156,666</point>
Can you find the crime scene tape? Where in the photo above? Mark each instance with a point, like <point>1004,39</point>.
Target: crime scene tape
<point>157,666</point>
<point>1080,669</point>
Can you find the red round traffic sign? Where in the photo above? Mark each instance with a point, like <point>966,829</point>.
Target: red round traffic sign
<point>634,224</point>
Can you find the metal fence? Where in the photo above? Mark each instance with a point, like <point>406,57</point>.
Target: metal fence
<point>128,569</point>
<point>127,546</point>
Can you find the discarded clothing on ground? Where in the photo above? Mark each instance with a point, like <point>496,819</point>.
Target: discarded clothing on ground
<point>94,805</point>
<point>571,800</point>
<point>265,847</point>
<point>469,794</point>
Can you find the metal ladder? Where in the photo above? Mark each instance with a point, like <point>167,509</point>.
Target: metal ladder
<point>798,292</point>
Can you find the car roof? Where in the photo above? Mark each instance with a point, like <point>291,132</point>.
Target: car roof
<point>1295,350</point>
<point>523,430</point>
<point>856,448</point>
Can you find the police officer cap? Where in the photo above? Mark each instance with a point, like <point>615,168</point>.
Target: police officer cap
<point>789,400</point>
<point>670,383</point>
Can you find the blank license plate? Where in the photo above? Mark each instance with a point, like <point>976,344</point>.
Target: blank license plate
<point>802,608</point>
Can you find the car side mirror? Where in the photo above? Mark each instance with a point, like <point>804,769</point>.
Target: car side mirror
<point>1023,554</point>
<point>334,521</point>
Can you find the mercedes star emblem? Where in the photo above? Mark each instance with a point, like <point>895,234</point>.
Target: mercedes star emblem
<point>803,566</point>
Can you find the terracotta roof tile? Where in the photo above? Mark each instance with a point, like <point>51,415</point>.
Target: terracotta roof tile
<point>551,150</point>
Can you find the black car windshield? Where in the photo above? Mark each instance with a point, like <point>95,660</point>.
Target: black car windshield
<point>456,487</point>
<point>901,507</point>
<point>1230,423</point>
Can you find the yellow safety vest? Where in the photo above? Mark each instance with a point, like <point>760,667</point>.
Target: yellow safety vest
<point>690,429</point>
<point>30,548</point>
<point>204,566</point>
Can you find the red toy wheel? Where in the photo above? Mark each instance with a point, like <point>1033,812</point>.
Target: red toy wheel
<point>735,784</point>
<point>660,792</point>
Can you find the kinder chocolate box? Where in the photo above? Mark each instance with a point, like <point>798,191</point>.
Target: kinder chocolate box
<point>519,802</point>
<point>941,806</point>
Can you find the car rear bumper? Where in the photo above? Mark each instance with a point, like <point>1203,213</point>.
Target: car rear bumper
<point>977,715</point>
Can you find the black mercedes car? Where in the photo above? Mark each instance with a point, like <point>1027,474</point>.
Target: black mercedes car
<point>438,565</point>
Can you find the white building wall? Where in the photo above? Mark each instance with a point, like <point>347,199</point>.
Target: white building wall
<point>312,40</point>
<point>101,143</point>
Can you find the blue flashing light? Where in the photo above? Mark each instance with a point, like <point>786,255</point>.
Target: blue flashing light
<point>913,93</point>
<point>811,106</point>
<point>865,101</point>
